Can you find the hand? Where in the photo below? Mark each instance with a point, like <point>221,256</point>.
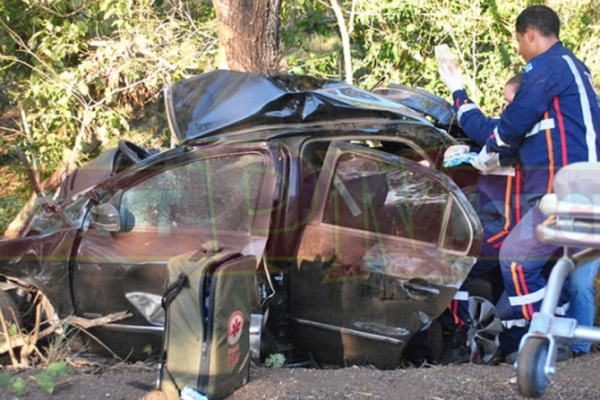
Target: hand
<point>486,161</point>
<point>452,78</point>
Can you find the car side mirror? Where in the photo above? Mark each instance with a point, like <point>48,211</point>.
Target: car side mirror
<point>106,217</point>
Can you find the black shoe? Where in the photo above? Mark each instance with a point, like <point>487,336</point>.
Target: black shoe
<point>458,355</point>
<point>511,358</point>
<point>563,353</point>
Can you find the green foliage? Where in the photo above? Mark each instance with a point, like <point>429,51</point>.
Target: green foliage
<point>89,72</point>
<point>12,328</point>
<point>18,386</point>
<point>275,360</point>
<point>5,379</point>
<point>394,40</point>
<point>16,383</point>
<point>87,68</point>
<point>45,379</point>
<point>46,382</point>
<point>310,39</point>
<point>57,369</point>
<point>580,31</point>
<point>148,350</point>
<point>9,207</point>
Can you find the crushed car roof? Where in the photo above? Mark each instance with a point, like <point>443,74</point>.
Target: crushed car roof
<point>208,104</point>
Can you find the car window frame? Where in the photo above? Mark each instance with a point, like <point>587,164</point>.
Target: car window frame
<point>455,197</point>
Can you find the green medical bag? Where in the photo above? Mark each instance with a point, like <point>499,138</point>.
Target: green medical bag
<point>207,333</point>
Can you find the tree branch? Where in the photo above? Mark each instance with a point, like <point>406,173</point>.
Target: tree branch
<point>85,323</point>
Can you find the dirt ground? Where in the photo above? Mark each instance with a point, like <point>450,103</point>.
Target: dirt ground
<point>575,379</point>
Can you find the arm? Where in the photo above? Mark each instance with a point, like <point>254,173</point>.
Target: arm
<point>473,122</point>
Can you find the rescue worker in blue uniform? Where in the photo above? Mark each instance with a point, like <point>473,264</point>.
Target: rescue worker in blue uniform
<point>554,120</point>
<point>497,204</point>
<point>498,189</point>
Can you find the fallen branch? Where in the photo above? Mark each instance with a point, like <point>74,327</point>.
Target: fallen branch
<point>21,221</point>
<point>9,342</point>
<point>90,323</point>
<point>84,323</point>
<point>30,340</point>
<point>101,343</point>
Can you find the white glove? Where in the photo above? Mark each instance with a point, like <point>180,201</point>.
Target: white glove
<point>451,77</point>
<point>455,150</point>
<point>486,161</point>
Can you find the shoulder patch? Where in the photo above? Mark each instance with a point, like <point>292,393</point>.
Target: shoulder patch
<point>528,68</point>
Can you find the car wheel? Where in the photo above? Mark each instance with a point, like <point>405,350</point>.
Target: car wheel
<point>484,331</point>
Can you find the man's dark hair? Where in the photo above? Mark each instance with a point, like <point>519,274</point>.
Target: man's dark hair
<point>541,18</point>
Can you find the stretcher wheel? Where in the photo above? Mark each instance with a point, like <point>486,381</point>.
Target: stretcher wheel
<point>531,377</point>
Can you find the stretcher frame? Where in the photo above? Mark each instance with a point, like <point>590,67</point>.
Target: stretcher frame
<point>574,224</point>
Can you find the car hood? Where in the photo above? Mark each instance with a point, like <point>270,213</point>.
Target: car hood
<point>208,104</point>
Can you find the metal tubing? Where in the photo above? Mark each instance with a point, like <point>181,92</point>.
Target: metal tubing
<point>563,267</point>
<point>587,333</point>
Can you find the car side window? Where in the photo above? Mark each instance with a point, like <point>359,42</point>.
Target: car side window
<point>415,205</point>
<point>386,198</point>
<point>357,194</point>
<point>217,193</point>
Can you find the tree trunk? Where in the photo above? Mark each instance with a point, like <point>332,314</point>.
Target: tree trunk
<point>248,34</point>
<point>345,41</point>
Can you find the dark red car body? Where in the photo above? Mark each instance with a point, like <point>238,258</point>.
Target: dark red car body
<point>337,191</point>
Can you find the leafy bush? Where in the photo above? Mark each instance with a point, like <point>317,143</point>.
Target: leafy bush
<point>9,208</point>
<point>45,379</point>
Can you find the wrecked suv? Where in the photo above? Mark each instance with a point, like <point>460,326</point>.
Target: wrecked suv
<point>360,240</point>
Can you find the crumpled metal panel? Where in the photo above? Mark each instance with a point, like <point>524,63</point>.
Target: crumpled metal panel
<point>420,100</point>
<point>42,262</point>
<point>89,175</point>
<point>207,104</point>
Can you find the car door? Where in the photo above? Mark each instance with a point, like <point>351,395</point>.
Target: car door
<point>167,208</point>
<point>387,244</point>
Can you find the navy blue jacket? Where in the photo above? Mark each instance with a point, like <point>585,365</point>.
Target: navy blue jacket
<point>498,196</point>
<point>497,199</point>
<point>554,119</point>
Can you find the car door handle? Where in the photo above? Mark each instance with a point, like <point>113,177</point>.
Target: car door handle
<point>420,288</point>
